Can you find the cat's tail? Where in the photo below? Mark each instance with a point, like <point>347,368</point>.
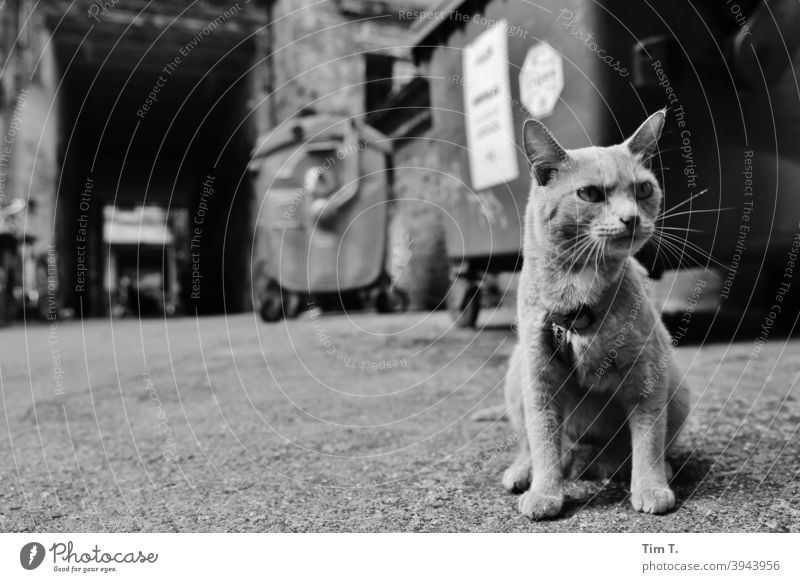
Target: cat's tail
<point>490,414</point>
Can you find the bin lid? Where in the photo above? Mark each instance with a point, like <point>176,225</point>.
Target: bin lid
<point>313,129</point>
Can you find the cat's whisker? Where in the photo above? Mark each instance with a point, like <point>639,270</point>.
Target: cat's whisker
<point>574,251</point>
<point>698,211</point>
<point>577,242</point>
<point>600,253</point>
<point>604,253</point>
<point>584,242</point>
<point>689,199</point>
<point>577,249</point>
<point>680,254</point>
<point>590,257</point>
<point>658,153</point>
<point>585,251</point>
<point>661,246</point>
<point>680,228</point>
<point>594,257</point>
<point>666,252</point>
<point>583,259</point>
<point>673,242</point>
<point>682,242</point>
<point>590,254</point>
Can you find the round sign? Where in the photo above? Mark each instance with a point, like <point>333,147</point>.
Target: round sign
<point>541,79</point>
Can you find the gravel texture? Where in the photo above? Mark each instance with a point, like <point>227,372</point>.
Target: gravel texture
<point>230,424</point>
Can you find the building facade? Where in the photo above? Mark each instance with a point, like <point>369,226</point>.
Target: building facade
<point>112,106</point>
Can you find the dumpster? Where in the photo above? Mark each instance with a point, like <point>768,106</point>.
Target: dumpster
<point>323,207</point>
<point>592,70</point>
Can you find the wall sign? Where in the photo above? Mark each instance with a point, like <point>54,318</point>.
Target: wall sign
<point>541,80</point>
<point>487,108</point>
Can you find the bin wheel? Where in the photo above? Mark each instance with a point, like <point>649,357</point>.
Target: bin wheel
<point>4,293</point>
<point>272,306</point>
<point>465,302</point>
<point>393,300</point>
<point>6,286</point>
<point>291,304</point>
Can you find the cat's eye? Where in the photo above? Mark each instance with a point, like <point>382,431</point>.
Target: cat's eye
<point>644,190</point>
<point>591,194</point>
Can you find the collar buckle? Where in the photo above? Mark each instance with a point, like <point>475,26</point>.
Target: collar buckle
<point>575,320</point>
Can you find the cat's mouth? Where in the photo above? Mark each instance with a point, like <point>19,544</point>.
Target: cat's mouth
<point>624,238</point>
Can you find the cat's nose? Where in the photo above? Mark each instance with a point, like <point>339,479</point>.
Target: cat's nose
<point>630,221</point>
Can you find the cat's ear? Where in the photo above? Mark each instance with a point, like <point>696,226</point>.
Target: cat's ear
<point>644,140</point>
<point>542,150</point>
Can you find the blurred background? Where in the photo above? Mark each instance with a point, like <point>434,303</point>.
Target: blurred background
<point>206,157</point>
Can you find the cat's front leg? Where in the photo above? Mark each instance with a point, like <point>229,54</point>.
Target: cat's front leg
<point>647,413</point>
<point>545,497</point>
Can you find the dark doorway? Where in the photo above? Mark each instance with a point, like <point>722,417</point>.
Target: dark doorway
<point>155,115</point>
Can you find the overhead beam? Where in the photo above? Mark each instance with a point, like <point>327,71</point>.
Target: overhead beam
<point>250,14</point>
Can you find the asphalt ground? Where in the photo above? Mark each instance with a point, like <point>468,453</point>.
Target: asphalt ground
<point>346,423</point>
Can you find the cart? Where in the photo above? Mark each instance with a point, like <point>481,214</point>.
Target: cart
<point>141,277</point>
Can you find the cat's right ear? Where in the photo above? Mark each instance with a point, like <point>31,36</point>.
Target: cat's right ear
<point>542,150</point>
<point>644,140</point>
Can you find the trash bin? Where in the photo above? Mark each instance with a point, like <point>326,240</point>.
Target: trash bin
<point>592,71</point>
<point>323,201</point>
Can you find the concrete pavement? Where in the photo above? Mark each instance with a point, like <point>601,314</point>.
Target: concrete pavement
<point>343,423</point>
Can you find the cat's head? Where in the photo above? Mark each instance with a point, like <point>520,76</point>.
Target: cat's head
<point>595,202</point>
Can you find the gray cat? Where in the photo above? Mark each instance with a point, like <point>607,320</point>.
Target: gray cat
<point>592,370</point>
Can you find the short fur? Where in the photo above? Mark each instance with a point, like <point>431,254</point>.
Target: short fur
<point>612,392</point>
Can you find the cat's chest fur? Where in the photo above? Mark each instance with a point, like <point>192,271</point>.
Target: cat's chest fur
<point>600,355</point>
<point>596,364</point>
<point>580,287</point>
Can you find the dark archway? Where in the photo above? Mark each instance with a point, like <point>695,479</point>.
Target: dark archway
<point>155,143</point>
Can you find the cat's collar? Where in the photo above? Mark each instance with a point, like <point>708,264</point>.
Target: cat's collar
<point>576,320</point>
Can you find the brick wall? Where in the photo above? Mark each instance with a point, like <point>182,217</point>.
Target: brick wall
<point>304,39</point>
<point>29,118</point>
<point>319,58</point>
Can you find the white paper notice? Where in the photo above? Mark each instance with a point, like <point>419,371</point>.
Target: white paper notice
<point>487,107</point>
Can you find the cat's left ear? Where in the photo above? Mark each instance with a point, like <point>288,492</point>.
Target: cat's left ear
<point>644,141</point>
<point>544,153</point>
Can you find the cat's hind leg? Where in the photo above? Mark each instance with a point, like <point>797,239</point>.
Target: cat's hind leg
<point>677,412</point>
<point>677,405</point>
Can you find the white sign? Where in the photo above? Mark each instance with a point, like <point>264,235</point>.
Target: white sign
<point>487,107</point>
<point>541,80</point>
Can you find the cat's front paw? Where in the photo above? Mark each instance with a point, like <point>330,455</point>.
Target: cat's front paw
<point>653,499</point>
<point>517,478</point>
<point>536,505</point>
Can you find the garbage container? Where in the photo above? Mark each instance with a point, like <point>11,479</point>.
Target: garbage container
<point>592,71</point>
<point>324,193</point>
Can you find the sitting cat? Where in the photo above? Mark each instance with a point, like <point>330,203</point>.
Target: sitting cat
<point>592,367</point>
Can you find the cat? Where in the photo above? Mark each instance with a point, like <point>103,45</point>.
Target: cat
<point>592,370</point>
